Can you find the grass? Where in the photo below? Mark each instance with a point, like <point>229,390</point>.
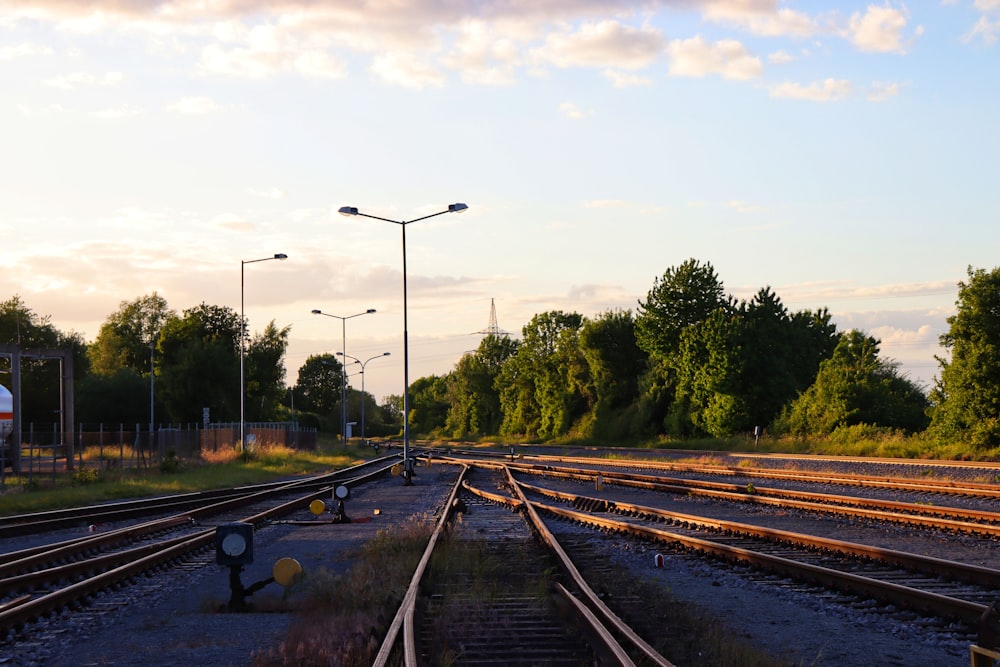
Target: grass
<point>212,470</point>
<point>340,619</point>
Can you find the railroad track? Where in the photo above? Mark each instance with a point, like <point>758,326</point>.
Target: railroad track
<point>948,518</point>
<point>497,596</point>
<point>45,579</point>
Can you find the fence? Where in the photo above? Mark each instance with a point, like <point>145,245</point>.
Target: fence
<point>135,446</point>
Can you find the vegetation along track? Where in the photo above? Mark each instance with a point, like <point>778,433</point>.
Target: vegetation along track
<point>500,590</point>
<point>44,579</point>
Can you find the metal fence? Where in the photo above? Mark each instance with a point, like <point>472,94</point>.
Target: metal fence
<point>125,446</point>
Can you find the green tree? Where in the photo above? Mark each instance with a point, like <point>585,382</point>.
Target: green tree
<point>472,394</point>
<point>317,389</point>
<point>739,368</point>
<point>614,363</point>
<point>966,396</point>
<point>126,335</point>
<point>537,394</point>
<point>855,387</point>
<point>199,364</point>
<point>428,404</point>
<point>265,373</point>
<point>118,398</point>
<point>684,296</point>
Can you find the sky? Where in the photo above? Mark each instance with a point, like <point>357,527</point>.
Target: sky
<point>844,154</point>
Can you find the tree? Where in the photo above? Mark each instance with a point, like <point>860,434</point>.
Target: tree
<point>265,372</point>
<point>966,396</point>
<point>318,388</point>
<point>428,404</point>
<point>614,363</point>
<point>684,296</point>
<point>472,394</point>
<point>739,368</point>
<point>125,338</point>
<point>199,364</point>
<point>536,393</point>
<point>855,387</point>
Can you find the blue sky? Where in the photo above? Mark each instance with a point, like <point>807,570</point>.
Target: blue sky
<point>842,153</point>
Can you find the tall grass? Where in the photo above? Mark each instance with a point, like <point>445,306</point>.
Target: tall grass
<point>340,619</point>
<point>212,470</point>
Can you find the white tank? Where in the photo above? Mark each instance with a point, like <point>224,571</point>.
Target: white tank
<point>6,412</point>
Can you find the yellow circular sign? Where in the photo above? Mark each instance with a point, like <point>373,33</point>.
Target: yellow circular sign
<point>286,571</point>
<point>317,507</point>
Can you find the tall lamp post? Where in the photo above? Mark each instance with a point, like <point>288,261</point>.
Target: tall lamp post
<point>452,208</point>
<point>363,364</point>
<point>243,381</point>
<point>343,381</point>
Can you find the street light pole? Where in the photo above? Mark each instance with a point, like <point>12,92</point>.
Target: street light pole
<point>452,208</point>
<point>343,379</point>
<point>363,364</point>
<point>243,382</point>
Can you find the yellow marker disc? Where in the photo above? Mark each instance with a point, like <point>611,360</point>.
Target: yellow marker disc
<point>396,470</point>
<point>317,507</point>
<point>286,570</point>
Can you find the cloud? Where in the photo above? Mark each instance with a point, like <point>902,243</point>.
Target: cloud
<point>570,110</point>
<point>880,91</point>
<point>603,44</point>
<point>80,79</point>
<point>273,193</point>
<point>844,291</point>
<point>829,90</point>
<point>604,203</point>
<point>986,29</point>
<point>23,50</point>
<point>623,80</point>
<point>879,29</point>
<point>194,105</point>
<point>780,57</point>
<point>697,58</point>
<point>408,70</point>
<point>760,18</point>
<point>123,111</point>
<point>484,54</point>
<point>745,207</point>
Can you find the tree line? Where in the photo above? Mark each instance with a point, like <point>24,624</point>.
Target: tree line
<point>690,361</point>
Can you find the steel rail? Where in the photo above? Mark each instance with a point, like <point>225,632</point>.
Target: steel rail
<point>21,524</point>
<point>404,615</point>
<point>941,486</point>
<point>28,610</point>
<point>924,515</point>
<point>976,574</point>
<point>32,557</point>
<point>968,612</point>
<point>607,616</point>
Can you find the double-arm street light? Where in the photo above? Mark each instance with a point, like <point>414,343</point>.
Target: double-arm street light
<point>452,208</point>
<point>363,364</point>
<point>242,333</point>
<point>343,381</point>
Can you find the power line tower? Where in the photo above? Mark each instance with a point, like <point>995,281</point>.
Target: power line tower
<point>493,329</point>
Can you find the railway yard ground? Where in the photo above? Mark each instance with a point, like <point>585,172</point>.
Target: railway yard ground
<point>178,616</point>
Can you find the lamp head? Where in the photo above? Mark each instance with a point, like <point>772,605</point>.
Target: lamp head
<point>348,210</point>
<point>386,354</point>
<point>280,255</point>
<point>456,208</point>
<point>370,310</point>
<point>317,311</point>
